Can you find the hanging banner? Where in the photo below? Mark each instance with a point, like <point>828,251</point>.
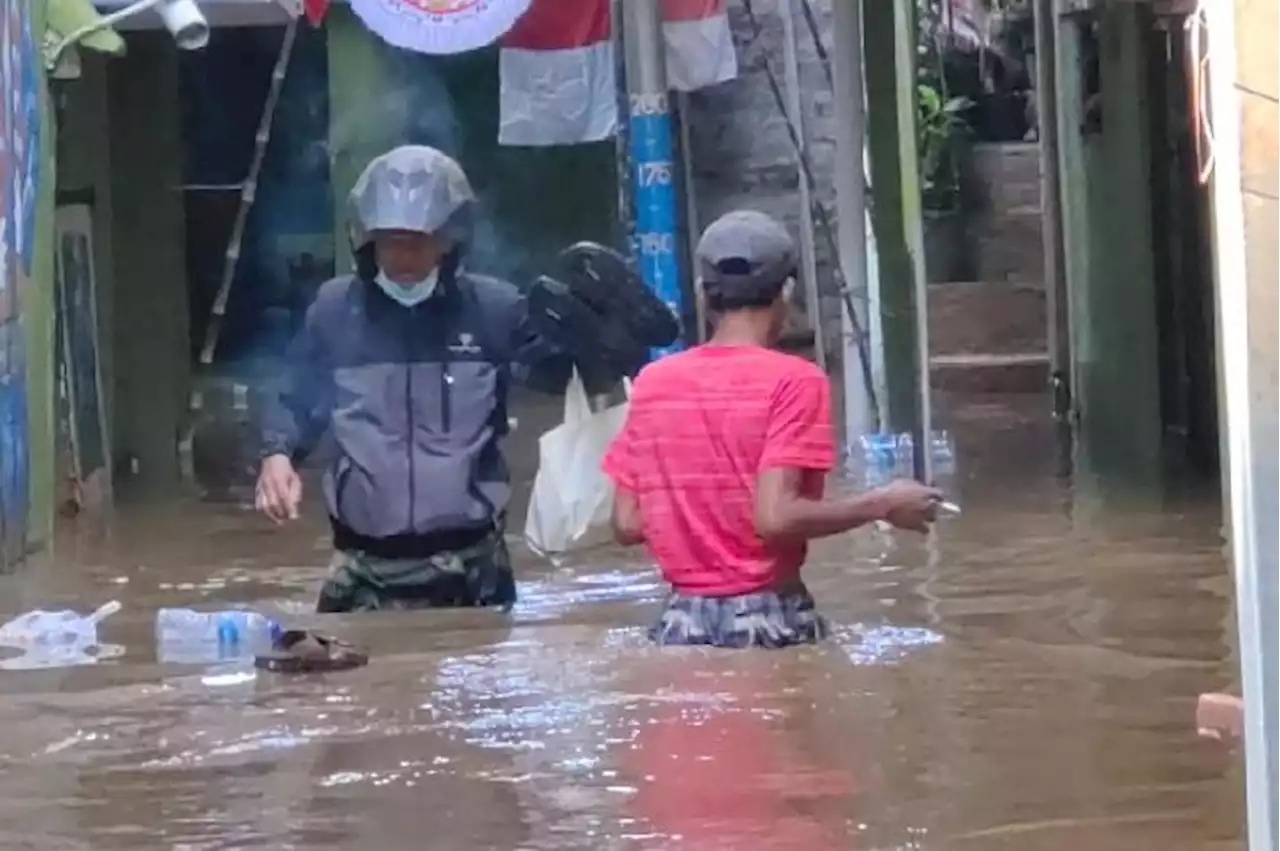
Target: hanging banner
<point>439,26</point>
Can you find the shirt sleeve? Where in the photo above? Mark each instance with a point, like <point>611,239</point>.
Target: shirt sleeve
<point>799,434</point>
<point>297,412</point>
<point>619,460</point>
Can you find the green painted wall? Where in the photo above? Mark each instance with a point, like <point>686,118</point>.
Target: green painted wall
<point>889,47</point>
<point>38,321</point>
<point>1106,178</point>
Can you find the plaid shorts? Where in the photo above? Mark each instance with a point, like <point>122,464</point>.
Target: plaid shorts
<point>769,619</point>
<point>478,575</point>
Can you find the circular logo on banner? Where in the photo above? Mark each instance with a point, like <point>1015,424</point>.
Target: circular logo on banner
<point>439,26</point>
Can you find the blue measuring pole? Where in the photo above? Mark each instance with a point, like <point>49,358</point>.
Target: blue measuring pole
<point>651,155</point>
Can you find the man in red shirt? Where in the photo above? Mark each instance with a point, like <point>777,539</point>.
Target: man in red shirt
<point>720,466</point>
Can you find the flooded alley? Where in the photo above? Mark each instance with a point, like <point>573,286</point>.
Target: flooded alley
<point>1025,680</point>
<point>395,244</point>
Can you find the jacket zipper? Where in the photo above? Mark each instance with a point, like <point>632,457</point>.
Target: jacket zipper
<point>408,409</point>
<point>446,409</point>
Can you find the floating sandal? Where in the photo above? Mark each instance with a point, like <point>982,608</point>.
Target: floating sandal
<point>298,651</point>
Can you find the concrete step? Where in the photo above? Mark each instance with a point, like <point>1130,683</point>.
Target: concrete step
<point>1008,246</point>
<point>1008,175</point>
<point>987,318</point>
<point>1026,372</point>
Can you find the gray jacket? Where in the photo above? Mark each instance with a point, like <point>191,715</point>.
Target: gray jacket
<point>417,402</point>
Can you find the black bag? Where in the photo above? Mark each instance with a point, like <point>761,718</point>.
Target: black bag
<point>597,309</point>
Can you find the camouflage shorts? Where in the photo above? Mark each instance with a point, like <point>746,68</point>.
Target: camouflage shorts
<point>479,575</point>
<point>770,619</point>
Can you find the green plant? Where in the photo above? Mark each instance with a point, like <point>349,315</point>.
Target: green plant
<point>942,133</point>
<point>941,126</point>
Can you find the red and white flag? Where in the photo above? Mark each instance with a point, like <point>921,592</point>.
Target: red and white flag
<point>700,50</point>
<point>556,75</point>
<point>557,71</point>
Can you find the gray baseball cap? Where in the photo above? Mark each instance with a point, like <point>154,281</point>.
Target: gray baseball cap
<point>745,256</point>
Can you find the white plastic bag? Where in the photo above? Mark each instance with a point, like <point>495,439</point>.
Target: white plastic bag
<point>56,639</point>
<point>572,500</point>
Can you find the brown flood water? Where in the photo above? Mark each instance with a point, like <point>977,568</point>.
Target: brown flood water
<point>1023,680</point>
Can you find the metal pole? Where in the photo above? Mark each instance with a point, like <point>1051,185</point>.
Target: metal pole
<point>851,213</point>
<point>1055,282</point>
<point>1245,291</point>
<point>651,156</point>
<point>808,252</point>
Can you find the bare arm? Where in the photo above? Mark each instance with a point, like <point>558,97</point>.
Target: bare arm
<point>783,514</point>
<point>628,529</point>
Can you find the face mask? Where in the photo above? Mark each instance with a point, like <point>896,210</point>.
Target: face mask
<point>409,294</point>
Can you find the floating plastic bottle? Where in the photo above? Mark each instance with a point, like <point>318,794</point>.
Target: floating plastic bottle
<point>188,636</point>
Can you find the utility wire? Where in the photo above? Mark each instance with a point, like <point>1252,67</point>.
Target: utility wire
<point>811,21</point>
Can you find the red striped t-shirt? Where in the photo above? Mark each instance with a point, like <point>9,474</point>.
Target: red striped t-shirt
<point>701,426</point>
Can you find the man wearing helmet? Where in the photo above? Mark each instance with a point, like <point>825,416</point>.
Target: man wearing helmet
<point>408,363</point>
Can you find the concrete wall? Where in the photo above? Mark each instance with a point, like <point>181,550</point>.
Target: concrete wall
<point>742,155</point>
<point>151,355</point>
<point>1005,233</point>
<point>148,341</point>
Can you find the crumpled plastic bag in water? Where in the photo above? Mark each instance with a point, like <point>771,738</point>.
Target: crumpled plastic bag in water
<point>57,639</point>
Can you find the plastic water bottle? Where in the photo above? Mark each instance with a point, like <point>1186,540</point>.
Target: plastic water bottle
<point>188,636</point>
<point>889,456</point>
<point>943,450</point>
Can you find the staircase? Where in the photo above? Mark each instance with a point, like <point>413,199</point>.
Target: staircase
<point>990,335</point>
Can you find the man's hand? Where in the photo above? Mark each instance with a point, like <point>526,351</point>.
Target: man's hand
<point>907,504</point>
<point>279,490</point>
